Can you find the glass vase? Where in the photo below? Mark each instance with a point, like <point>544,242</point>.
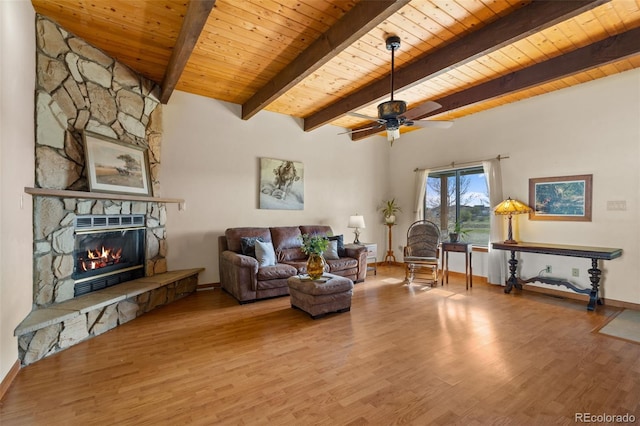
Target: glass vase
<point>315,266</point>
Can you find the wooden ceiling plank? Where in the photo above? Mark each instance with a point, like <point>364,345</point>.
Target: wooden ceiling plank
<point>251,17</point>
<point>585,59</point>
<point>194,21</point>
<point>519,24</point>
<point>357,22</point>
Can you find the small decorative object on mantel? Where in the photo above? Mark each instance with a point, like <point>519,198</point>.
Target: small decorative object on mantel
<point>313,246</point>
<point>389,210</point>
<point>113,166</point>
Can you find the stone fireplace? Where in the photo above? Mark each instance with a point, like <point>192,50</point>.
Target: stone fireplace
<point>55,238</point>
<point>108,250</point>
<point>80,290</point>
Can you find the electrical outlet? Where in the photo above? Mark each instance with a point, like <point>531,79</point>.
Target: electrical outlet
<point>575,272</point>
<point>548,269</point>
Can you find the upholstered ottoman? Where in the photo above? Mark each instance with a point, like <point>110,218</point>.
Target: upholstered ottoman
<point>321,297</point>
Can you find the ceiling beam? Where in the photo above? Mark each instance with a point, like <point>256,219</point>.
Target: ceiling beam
<point>525,21</point>
<point>192,25</point>
<point>361,19</point>
<point>609,50</point>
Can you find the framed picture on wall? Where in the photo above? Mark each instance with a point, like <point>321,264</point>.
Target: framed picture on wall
<point>561,198</point>
<point>115,167</point>
<point>281,184</point>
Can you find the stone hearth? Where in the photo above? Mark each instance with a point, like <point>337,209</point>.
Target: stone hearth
<point>61,325</point>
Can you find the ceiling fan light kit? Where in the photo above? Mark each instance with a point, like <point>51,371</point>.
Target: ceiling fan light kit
<point>390,112</point>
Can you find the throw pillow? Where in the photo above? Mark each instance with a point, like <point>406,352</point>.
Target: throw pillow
<point>340,241</point>
<point>332,251</point>
<point>248,245</point>
<point>265,254</point>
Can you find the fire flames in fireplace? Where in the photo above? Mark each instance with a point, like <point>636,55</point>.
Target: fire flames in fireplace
<point>100,258</point>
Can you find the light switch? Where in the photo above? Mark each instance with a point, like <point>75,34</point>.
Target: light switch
<point>618,205</point>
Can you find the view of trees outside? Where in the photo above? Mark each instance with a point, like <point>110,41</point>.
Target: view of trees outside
<point>459,196</point>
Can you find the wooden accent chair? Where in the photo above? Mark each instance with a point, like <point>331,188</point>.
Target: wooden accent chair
<point>421,254</point>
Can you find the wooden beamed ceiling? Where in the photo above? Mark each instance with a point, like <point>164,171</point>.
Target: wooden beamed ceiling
<point>318,60</point>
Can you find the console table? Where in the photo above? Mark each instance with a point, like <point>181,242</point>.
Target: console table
<point>593,253</point>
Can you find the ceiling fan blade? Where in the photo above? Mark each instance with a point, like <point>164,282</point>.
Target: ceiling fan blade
<point>367,117</point>
<point>377,126</point>
<point>434,124</point>
<point>429,106</point>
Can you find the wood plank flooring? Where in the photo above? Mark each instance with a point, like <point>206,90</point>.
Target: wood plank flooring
<point>403,355</point>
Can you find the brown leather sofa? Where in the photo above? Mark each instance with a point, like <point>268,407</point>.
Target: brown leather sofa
<point>242,276</point>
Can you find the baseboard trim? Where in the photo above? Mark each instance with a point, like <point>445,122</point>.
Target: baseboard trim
<point>207,286</point>
<point>9,378</point>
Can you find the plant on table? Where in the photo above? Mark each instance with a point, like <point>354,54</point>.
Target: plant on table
<point>458,231</point>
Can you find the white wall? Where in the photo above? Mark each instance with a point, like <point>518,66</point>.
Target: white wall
<point>593,128</point>
<point>17,78</point>
<point>210,157</point>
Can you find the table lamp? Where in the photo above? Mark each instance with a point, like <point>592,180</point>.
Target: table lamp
<point>511,207</point>
<point>356,222</point>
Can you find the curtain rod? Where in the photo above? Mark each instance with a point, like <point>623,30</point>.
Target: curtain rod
<point>453,164</point>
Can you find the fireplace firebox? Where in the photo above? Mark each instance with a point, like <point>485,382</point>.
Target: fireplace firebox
<point>109,250</point>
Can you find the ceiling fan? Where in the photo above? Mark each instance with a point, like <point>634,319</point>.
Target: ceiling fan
<point>390,112</point>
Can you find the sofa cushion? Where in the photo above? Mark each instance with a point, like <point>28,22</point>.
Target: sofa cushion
<point>316,230</point>
<point>278,271</point>
<point>299,265</point>
<point>340,240</point>
<point>342,264</point>
<point>234,235</point>
<point>248,245</point>
<point>265,254</point>
<point>332,251</point>
<point>287,242</point>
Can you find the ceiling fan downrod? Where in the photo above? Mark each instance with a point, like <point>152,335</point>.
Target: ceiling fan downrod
<point>393,43</point>
<point>392,109</point>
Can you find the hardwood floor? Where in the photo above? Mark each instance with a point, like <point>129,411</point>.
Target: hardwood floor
<point>401,356</point>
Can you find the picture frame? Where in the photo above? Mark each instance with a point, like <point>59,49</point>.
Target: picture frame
<point>281,184</point>
<point>115,167</point>
<point>564,198</point>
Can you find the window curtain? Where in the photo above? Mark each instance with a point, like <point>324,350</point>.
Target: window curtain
<point>421,193</point>
<point>497,261</point>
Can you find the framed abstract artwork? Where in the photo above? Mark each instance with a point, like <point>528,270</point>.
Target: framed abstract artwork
<point>281,184</point>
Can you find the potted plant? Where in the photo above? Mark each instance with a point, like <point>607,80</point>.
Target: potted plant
<point>313,246</point>
<point>389,210</point>
<point>458,231</point>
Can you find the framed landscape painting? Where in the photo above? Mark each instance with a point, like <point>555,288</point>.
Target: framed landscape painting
<point>561,198</point>
<point>115,167</point>
<point>281,184</point>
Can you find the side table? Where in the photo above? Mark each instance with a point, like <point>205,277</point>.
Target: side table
<point>458,247</point>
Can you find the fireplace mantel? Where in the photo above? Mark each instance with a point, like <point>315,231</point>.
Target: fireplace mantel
<point>47,192</point>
